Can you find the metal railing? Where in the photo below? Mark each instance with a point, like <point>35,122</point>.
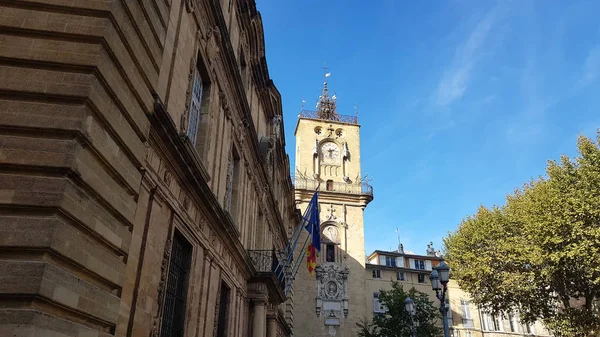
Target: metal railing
<point>266,261</point>
<point>352,188</point>
<point>338,118</point>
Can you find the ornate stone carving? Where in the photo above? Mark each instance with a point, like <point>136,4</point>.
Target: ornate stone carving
<point>332,291</point>
<point>167,177</point>
<point>164,269</point>
<point>224,104</point>
<point>277,127</point>
<point>331,216</point>
<point>186,203</point>
<point>190,6</point>
<point>331,232</point>
<point>214,39</point>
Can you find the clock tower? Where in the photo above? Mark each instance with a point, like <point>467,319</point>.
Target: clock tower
<point>332,301</point>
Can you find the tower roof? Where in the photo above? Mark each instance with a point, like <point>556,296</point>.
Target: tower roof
<point>327,107</point>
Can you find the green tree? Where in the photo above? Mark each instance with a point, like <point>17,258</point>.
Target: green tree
<point>396,321</point>
<point>538,253</point>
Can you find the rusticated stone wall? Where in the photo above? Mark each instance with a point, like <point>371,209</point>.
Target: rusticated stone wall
<point>97,173</point>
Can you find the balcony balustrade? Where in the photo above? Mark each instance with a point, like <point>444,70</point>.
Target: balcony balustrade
<point>340,187</point>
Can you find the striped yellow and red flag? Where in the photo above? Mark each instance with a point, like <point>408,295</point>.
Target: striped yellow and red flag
<point>311,258</point>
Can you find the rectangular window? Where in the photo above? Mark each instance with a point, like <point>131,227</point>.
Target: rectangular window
<point>512,321</point>
<point>223,311</point>
<point>498,323</point>
<point>401,276</point>
<point>195,104</point>
<point>421,278</point>
<point>466,310</point>
<point>420,264</point>
<point>467,333</point>
<point>378,306</point>
<point>390,261</point>
<point>176,290</point>
<point>467,319</point>
<point>330,253</point>
<point>376,273</point>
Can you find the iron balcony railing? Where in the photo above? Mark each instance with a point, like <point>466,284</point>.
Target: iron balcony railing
<point>338,118</point>
<point>349,188</point>
<point>265,262</point>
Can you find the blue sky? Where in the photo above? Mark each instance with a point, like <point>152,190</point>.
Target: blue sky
<point>460,102</point>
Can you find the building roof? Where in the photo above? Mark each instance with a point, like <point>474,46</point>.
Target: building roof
<point>396,253</point>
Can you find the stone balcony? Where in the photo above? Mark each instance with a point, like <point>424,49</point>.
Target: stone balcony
<point>334,117</point>
<point>339,187</point>
<point>269,272</point>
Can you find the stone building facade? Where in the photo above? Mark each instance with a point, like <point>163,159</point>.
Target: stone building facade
<point>465,318</point>
<point>331,302</point>
<point>144,185</point>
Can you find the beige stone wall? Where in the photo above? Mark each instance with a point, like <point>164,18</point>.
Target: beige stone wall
<point>347,216</point>
<point>305,143</point>
<point>455,295</point>
<point>388,275</point>
<point>98,175</point>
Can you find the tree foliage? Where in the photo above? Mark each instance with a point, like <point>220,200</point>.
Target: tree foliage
<point>538,253</point>
<point>396,321</point>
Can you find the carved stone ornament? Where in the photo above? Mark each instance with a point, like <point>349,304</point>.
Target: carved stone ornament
<point>224,104</point>
<point>332,290</point>
<point>331,232</point>
<point>212,47</point>
<point>168,177</point>
<point>190,5</point>
<point>164,269</point>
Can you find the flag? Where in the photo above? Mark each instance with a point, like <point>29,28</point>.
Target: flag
<point>328,74</point>
<point>313,226</point>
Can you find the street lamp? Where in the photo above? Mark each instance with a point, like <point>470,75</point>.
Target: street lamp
<point>439,281</point>
<point>409,305</point>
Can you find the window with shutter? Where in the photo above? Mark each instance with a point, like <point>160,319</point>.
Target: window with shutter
<point>376,307</point>
<point>401,276</point>
<point>513,322</point>
<point>400,261</point>
<point>382,260</point>
<point>194,112</point>
<point>428,264</point>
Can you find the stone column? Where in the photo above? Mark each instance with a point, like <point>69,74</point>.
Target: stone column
<point>260,318</point>
<point>272,321</point>
<point>271,326</point>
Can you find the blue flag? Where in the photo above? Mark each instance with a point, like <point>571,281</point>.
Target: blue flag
<point>312,221</point>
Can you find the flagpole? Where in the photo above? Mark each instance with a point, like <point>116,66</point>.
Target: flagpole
<point>300,259</point>
<point>289,252</point>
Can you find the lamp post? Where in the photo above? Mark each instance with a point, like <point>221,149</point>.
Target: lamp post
<point>439,282</point>
<point>409,305</point>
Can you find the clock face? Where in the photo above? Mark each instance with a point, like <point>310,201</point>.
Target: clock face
<point>330,153</point>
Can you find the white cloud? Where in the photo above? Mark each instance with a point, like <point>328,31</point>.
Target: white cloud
<point>455,80</point>
<point>591,68</point>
